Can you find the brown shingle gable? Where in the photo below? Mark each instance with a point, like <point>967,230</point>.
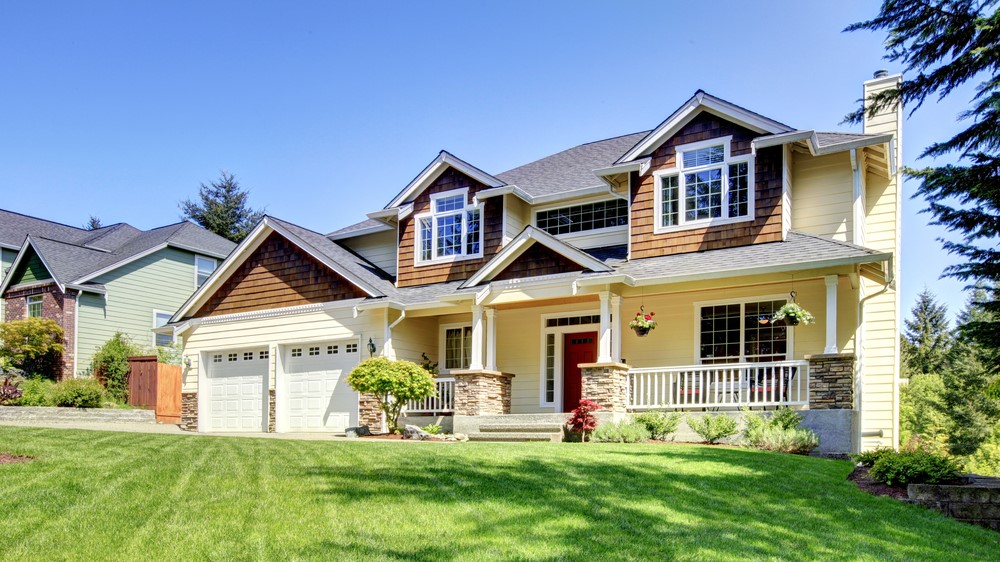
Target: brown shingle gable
<point>276,275</point>
<point>537,260</point>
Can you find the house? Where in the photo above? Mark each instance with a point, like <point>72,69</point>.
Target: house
<point>522,284</point>
<point>94,283</point>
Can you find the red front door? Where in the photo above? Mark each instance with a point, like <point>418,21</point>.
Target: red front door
<point>577,348</point>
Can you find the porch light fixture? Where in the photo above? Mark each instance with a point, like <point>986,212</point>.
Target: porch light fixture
<point>371,347</point>
<point>187,361</point>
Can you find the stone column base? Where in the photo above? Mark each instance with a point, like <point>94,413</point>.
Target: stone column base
<point>270,411</point>
<point>606,384</point>
<point>481,392</point>
<point>831,381</point>
<point>189,411</point>
<point>369,413</point>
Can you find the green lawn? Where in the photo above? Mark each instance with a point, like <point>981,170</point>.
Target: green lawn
<point>121,496</point>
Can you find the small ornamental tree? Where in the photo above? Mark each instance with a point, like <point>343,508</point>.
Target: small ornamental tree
<point>32,345</point>
<point>582,420</point>
<point>110,365</point>
<point>392,383</point>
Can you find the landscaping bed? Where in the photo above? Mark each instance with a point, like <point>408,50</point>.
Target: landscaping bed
<point>7,458</point>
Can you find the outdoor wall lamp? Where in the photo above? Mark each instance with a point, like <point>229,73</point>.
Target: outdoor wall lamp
<point>371,347</point>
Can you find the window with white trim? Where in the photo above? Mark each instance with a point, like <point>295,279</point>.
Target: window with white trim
<point>580,218</point>
<point>160,319</point>
<point>742,332</point>
<point>452,230</point>
<point>457,347</point>
<point>34,304</point>
<point>203,268</point>
<point>709,185</point>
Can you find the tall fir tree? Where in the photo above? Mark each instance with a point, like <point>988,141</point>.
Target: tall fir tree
<point>942,45</point>
<point>223,208</point>
<point>93,223</point>
<point>927,337</point>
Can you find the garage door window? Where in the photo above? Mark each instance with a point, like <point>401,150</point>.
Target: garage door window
<point>351,348</point>
<point>296,352</point>
<point>265,354</point>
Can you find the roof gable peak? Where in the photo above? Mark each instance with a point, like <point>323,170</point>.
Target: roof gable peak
<point>432,171</point>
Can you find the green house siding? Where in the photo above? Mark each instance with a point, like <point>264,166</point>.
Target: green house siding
<point>31,269</point>
<point>161,281</point>
<point>6,260</point>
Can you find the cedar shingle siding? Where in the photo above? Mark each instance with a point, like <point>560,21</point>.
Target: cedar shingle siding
<point>492,225</point>
<point>276,275</point>
<point>766,226</point>
<point>535,261</point>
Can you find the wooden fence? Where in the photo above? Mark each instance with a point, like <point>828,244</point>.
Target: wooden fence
<point>155,386</point>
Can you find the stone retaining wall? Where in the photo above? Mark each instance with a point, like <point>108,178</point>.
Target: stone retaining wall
<point>831,381</point>
<point>977,503</point>
<point>70,415</point>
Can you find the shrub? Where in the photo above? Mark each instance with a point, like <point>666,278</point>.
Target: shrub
<point>868,458</point>
<point>36,392</point>
<point>795,440</point>
<point>78,393</point>
<point>914,467</point>
<point>32,345</point>
<point>110,365</point>
<point>713,427</point>
<point>171,354</point>
<point>627,431</point>
<point>9,391</point>
<point>432,428</point>
<point>785,418</point>
<point>582,420</point>
<point>392,383</point>
<point>661,425</point>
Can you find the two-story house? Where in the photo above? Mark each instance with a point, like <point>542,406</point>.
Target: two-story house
<point>522,284</point>
<point>94,283</point>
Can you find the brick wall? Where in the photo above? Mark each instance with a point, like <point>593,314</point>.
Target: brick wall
<point>831,381</point>
<point>56,306</point>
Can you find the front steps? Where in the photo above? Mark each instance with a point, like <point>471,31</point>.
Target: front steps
<point>514,428</point>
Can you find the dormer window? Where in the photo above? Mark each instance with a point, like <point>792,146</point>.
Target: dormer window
<point>708,186</point>
<point>451,230</point>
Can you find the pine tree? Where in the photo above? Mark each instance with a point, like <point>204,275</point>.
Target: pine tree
<point>223,208</point>
<point>943,44</point>
<point>93,223</point>
<point>927,337</point>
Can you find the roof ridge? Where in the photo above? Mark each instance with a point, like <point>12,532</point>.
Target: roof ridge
<point>44,220</point>
<point>105,231</point>
<point>64,243</point>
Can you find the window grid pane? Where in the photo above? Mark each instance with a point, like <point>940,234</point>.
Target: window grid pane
<point>670,200</point>
<point>739,189</point>
<point>720,334</point>
<point>445,204</point>
<point>580,218</point>
<point>453,348</point>
<point>703,194</point>
<point>472,233</point>
<point>764,339</point>
<point>704,156</point>
<point>426,238</point>
<point>449,235</point>
<point>34,306</point>
<point>550,368</point>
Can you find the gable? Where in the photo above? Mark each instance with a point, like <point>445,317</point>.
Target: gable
<point>278,274</point>
<point>30,269</point>
<point>538,260</point>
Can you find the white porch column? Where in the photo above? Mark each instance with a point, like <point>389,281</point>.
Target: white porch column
<point>476,361</point>
<point>604,337</point>
<point>616,327</point>
<point>831,313</point>
<point>491,339</point>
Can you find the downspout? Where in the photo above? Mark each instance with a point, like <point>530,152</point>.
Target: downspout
<point>76,330</point>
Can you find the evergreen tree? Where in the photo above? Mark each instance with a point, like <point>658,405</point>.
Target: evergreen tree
<point>943,44</point>
<point>223,208</point>
<point>93,223</point>
<point>927,337</point>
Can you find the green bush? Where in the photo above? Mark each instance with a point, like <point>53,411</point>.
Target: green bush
<point>36,392</point>
<point>626,431</point>
<point>393,384</point>
<point>713,427</point>
<point>78,393</point>
<point>433,428</point>
<point>798,440</point>
<point>914,467</point>
<point>785,418</point>
<point>661,425</point>
<point>868,458</point>
<point>110,365</point>
<point>32,345</point>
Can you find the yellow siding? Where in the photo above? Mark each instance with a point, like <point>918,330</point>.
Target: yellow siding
<point>378,248</point>
<point>518,215</point>
<point>263,332</point>
<point>822,193</point>
<point>414,336</point>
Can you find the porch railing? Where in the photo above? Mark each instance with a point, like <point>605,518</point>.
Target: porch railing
<point>441,402</point>
<point>733,385</point>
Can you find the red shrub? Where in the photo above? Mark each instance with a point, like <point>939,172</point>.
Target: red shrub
<point>582,420</point>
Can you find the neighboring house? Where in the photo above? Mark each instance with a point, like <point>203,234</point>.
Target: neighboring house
<point>94,283</point>
<point>521,285</point>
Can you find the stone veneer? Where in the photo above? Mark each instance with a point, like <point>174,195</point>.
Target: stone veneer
<point>831,381</point>
<point>270,411</point>
<point>57,306</point>
<point>606,384</point>
<point>369,413</point>
<point>481,393</point>
<point>189,411</point>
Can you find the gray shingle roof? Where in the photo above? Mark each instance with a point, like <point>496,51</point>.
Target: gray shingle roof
<point>570,169</point>
<point>72,254</point>
<point>363,225</point>
<point>827,139</point>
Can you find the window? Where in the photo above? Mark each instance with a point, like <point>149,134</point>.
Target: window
<point>580,218</point>
<point>264,354</point>
<point>451,230</point>
<point>742,333</point>
<point>573,320</point>
<point>34,304</point>
<point>550,369</point>
<point>248,356</point>
<point>296,352</point>
<point>457,347</point>
<point>232,357</point>
<point>314,350</point>
<point>217,358</point>
<point>332,349</point>
<point>351,348</point>
<point>203,268</point>
<point>709,186</point>
<point>161,319</point>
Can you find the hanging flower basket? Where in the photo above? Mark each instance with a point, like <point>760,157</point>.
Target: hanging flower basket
<point>793,314</point>
<point>642,323</point>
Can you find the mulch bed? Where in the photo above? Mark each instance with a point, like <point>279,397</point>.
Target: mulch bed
<point>7,458</point>
<point>867,484</point>
<point>392,436</point>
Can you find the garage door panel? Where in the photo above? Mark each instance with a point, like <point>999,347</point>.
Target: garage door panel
<point>319,398</point>
<point>236,382</point>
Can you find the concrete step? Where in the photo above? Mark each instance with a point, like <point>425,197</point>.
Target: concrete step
<point>513,437</point>
<point>520,427</point>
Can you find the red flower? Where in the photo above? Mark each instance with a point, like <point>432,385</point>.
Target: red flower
<point>652,314</point>
<point>647,317</point>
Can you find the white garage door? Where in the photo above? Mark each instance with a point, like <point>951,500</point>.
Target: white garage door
<point>237,380</point>
<point>317,396</point>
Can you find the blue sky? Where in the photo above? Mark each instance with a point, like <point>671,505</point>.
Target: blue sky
<point>325,110</point>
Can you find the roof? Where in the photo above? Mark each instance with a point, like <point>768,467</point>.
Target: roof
<point>570,169</point>
<point>366,226</point>
<point>74,256</point>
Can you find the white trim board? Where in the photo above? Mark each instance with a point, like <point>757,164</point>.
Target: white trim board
<point>434,170</point>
